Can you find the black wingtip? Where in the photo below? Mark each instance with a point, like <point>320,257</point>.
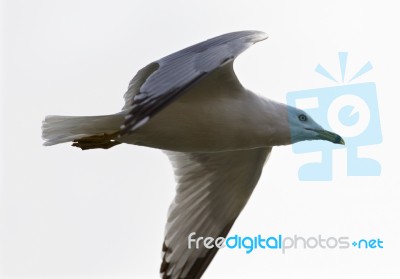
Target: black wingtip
<point>200,265</point>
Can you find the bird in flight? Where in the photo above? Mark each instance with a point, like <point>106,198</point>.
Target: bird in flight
<point>216,133</point>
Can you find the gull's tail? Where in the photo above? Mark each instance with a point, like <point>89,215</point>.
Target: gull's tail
<point>85,131</point>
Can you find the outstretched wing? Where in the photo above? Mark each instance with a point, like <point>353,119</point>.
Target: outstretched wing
<point>212,190</point>
<point>161,82</point>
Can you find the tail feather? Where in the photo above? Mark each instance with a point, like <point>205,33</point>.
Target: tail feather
<point>59,129</point>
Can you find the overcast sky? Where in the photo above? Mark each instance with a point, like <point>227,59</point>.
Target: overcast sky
<point>101,213</point>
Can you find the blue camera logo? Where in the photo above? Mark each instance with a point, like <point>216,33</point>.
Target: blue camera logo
<point>350,110</point>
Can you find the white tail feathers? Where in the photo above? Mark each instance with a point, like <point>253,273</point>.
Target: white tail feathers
<point>58,129</point>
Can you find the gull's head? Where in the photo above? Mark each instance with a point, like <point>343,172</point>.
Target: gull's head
<point>303,127</point>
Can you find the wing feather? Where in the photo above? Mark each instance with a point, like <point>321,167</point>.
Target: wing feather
<point>212,190</point>
<point>161,82</point>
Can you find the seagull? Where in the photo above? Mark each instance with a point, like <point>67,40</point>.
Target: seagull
<point>217,134</point>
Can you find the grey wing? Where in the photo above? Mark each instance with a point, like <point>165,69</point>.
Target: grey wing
<point>161,82</point>
<point>212,190</point>
<point>137,82</point>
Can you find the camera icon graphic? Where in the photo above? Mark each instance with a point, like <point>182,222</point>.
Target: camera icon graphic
<point>350,110</point>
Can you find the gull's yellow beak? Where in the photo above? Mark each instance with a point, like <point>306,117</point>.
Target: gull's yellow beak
<point>329,136</point>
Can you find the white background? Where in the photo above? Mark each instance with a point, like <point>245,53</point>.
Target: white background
<point>100,214</point>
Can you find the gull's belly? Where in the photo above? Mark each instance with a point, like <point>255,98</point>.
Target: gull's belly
<point>220,125</point>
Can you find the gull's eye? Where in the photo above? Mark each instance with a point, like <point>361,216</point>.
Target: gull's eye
<point>302,117</point>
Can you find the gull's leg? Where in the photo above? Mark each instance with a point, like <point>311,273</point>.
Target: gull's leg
<point>103,141</point>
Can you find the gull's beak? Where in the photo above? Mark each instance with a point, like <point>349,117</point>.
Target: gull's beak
<point>329,136</point>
